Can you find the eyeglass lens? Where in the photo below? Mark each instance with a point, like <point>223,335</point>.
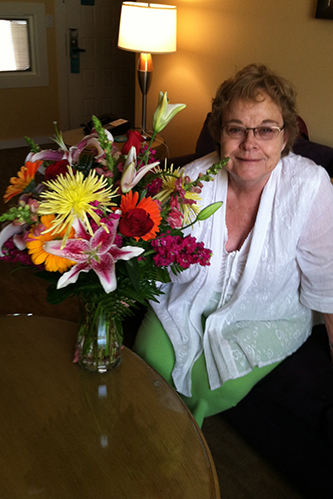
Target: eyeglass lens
<point>260,132</point>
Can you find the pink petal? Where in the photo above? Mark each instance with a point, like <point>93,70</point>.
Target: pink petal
<point>76,357</point>
<point>8,232</point>
<point>143,170</point>
<point>131,157</point>
<point>102,239</point>
<point>105,269</point>
<point>49,155</point>
<point>127,177</point>
<point>82,144</point>
<point>80,231</point>
<point>72,275</point>
<point>125,253</point>
<point>19,241</point>
<point>131,177</point>
<point>76,250</point>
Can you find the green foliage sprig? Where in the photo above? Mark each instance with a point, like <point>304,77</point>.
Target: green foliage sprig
<point>20,213</point>
<point>104,142</point>
<point>212,171</point>
<point>33,147</point>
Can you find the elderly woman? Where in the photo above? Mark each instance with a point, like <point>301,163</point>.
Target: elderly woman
<point>218,330</point>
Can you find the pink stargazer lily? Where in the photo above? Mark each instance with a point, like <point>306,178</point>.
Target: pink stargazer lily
<point>72,154</point>
<point>131,176</point>
<point>98,253</point>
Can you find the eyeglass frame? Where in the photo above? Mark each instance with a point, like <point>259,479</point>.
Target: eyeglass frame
<point>255,129</point>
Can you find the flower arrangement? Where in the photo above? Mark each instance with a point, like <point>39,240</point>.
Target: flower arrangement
<point>104,225</point>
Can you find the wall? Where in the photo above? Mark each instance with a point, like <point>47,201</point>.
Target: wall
<point>218,37</point>
<point>31,111</point>
<point>215,37</point>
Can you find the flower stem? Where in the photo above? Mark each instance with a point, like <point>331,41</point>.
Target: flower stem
<point>143,159</point>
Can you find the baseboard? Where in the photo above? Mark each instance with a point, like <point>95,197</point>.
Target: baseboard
<point>12,144</point>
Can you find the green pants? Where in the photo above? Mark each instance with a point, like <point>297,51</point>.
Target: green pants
<point>153,345</point>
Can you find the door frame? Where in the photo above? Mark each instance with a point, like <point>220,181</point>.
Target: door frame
<point>63,61</point>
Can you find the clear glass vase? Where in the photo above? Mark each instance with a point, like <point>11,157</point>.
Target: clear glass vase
<point>99,341</point>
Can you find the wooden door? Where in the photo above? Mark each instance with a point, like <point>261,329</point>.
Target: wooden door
<point>101,78</point>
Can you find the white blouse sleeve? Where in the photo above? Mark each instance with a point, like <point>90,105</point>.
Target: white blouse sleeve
<point>315,251</point>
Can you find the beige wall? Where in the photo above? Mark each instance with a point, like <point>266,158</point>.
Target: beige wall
<point>31,111</point>
<point>217,37</point>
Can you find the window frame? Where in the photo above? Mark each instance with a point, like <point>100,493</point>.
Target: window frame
<point>37,76</point>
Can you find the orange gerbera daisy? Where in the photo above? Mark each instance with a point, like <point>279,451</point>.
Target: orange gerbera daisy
<point>129,201</point>
<point>24,177</point>
<point>35,244</point>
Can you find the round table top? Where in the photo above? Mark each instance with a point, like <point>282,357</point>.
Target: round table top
<point>67,433</point>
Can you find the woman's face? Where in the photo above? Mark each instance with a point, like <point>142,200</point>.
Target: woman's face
<point>252,160</point>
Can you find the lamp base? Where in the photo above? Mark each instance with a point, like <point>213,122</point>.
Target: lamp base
<point>146,134</point>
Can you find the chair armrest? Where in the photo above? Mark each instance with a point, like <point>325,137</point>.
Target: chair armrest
<point>181,160</point>
<point>320,154</point>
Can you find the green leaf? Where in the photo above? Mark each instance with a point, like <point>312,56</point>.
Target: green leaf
<point>50,277</point>
<point>133,272</point>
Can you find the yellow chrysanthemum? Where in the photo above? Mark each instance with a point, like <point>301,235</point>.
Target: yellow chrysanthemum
<point>69,197</point>
<point>169,180</point>
<point>35,244</point>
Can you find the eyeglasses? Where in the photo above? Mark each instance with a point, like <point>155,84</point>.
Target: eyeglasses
<point>263,132</point>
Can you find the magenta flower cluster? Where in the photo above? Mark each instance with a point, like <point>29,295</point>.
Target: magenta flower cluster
<point>154,187</point>
<point>151,154</point>
<point>13,254</point>
<point>178,197</point>
<point>182,251</point>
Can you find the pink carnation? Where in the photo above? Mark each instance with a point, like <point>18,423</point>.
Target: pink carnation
<point>175,218</point>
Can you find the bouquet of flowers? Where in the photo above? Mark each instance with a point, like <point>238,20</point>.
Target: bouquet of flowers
<point>106,226</point>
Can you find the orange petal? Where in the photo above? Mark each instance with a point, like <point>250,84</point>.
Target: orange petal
<point>128,201</point>
<point>33,167</point>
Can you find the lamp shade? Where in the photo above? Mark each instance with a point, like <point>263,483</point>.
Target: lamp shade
<point>148,27</point>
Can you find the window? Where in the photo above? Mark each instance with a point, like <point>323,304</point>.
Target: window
<point>14,36</point>
<point>22,31</point>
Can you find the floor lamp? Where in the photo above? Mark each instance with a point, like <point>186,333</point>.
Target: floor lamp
<point>149,29</point>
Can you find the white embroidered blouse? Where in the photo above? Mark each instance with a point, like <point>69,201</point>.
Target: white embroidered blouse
<point>257,302</point>
<point>232,266</point>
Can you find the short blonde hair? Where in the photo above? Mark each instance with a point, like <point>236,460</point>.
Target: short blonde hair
<point>247,85</point>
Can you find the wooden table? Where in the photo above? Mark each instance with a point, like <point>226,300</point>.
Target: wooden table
<point>66,433</point>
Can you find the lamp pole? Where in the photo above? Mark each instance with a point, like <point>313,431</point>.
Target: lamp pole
<point>145,74</point>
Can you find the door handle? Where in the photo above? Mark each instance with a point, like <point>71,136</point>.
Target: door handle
<point>74,50</point>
